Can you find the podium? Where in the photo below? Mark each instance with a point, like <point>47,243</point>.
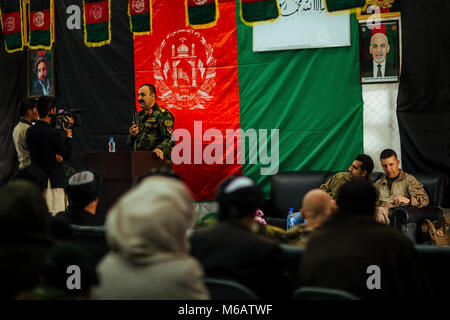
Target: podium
<point>118,170</point>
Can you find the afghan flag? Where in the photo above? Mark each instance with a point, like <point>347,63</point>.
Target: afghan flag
<point>238,112</point>
<point>335,5</point>
<point>140,13</point>
<point>97,24</point>
<point>201,13</point>
<point>259,10</point>
<point>41,24</point>
<point>11,21</point>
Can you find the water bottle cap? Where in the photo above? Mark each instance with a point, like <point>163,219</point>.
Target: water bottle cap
<point>111,139</point>
<point>291,209</point>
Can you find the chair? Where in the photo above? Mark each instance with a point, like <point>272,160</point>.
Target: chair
<point>222,289</point>
<point>317,293</point>
<point>435,262</point>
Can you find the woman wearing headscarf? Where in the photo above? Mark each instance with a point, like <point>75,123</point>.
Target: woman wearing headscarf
<point>146,230</point>
<point>24,237</point>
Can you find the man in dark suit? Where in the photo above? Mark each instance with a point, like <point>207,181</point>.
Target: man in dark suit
<point>231,250</point>
<point>380,67</point>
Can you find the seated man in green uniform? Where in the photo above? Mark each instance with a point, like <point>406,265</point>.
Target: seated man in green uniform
<point>154,126</point>
<point>361,168</point>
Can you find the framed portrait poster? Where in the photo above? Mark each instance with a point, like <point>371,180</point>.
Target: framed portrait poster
<point>41,73</point>
<point>379,52</point>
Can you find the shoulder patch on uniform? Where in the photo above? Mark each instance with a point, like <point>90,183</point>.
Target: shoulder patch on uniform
<point>168,122</point>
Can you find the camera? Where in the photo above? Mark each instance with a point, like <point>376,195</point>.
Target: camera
<point>59,119</point>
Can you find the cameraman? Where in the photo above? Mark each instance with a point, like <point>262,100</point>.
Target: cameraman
<point>45,143</point>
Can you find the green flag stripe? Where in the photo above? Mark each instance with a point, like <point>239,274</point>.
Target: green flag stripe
<point>312,96</point>
<point>141,22</point>
<point>13,41</point>
<point>40,37</point>
<point>97,32</point>
<point>202,14</point>
<point>259,11</point>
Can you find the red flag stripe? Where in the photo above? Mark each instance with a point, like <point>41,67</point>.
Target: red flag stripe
<point>96,12</point>
<point>139,6</point>
<point>11,23</point>
<point>40,20</point>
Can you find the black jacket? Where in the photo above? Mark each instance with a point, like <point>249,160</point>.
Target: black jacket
<point>339,253</point>
<point>230,251</point>
<point>44,144</point>
<point>367,70</point>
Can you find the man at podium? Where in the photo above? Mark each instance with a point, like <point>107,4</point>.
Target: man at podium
<point>153,127</point>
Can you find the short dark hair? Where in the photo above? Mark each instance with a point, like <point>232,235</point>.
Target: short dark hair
<point>357,197</point>
<point>27,104</point>
<point>34,174</point>
<point>162,171</point>
<point>387,153</point>
<point>366,162</point>
<point>150,87</point>
<point>44,105</point>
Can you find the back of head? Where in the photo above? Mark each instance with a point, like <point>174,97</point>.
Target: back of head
<point>316,203</point>
<point>27,104</point>
<point>387,153</point>
<point>366,163</point>
<point>162,171</point>
<point>64,257</point>
<point>358,198</point>
<point>238,197</point>
<point>82,188</point>
<point>44,105</point>
<point>150,219</point>
<point>23,209</point>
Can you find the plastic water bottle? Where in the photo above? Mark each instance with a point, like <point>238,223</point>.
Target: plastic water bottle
<point>290,219</point>
<point>111,145</point>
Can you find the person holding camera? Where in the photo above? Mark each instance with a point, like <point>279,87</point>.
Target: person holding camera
<point>44,144</point>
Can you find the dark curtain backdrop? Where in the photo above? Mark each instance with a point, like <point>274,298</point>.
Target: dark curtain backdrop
<point>99,81</point>
<point>423,105</point>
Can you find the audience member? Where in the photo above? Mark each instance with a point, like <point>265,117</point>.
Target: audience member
<point>345,251</point>
<point>232,251</point>
<point>83,190</point>
<point>146,230</point>
<point>28,113</point>
<point>45,143</point>
<point>397,188</point>
<point>24,237</point>
<point>316,209</point>
<point>361,168</point>
<point>69,274</point>
<point>34,174</point>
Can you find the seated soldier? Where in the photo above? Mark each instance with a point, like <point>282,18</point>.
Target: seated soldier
<point>397,188</point>
<point>361,168</point>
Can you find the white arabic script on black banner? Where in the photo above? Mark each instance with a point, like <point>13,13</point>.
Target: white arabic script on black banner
<point>303,24</point>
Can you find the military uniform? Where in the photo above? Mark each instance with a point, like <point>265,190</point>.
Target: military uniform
<point>333,184</point>
<point>155,131</point>
<point>406,186</point>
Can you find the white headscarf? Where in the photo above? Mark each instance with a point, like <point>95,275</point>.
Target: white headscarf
<point>151,220</point>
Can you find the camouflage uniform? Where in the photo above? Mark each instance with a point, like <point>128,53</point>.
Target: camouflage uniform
<point>335,182</point>
<point>299,235</point>
<point>155,132</point>
<point>405,185</point>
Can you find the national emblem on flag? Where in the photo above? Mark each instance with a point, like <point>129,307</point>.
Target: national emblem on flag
<point>11,22</point>
<point>259,10</point>
<point>140,13</point>
<point>97,22</point>
<point>202,13</point>
<point>40,21</point>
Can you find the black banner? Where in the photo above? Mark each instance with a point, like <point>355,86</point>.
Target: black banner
<point>423,104</point>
